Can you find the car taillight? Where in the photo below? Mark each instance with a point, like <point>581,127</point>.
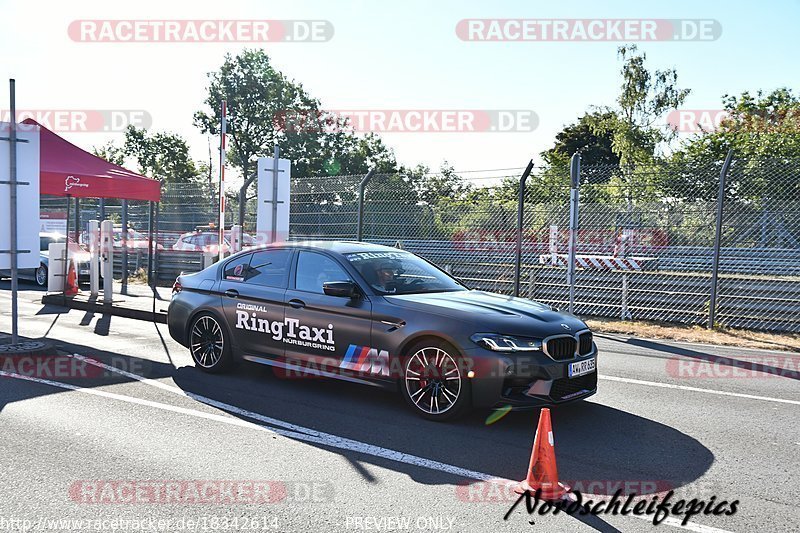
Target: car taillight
<point>176,287</point>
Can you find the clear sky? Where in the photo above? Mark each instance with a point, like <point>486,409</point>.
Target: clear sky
<point>393,55</point>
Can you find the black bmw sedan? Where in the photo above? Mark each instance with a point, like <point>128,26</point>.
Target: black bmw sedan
<point>384,317</point>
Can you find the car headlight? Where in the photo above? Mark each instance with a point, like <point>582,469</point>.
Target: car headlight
<point>506,343</point>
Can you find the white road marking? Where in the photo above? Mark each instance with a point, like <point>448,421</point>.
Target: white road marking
<point>696,389</point>
<point>312,436</point>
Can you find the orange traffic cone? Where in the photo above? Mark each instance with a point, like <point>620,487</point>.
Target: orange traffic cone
<point>542,472</point>
<point>71,289</point>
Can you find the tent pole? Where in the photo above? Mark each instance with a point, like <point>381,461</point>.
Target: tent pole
<point>77,219</point>
<point>150,245</point>
<point>66,255</point>
<point>124,247</point>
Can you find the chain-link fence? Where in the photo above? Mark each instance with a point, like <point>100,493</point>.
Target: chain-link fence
<point>645,244</point>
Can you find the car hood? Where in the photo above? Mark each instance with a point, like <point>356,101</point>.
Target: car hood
<point>493,313</point>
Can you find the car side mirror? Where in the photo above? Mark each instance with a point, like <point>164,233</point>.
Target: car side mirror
<point>345,289</point>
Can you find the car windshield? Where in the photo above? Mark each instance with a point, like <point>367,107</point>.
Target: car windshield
<point>401,273</point>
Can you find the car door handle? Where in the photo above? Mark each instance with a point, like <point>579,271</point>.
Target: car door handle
<point>232,293</point>
<point>297,304</point>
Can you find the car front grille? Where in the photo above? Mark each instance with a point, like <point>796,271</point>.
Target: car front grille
<point>585,343</point>
<point>565,387</point>
<point>561,348</point>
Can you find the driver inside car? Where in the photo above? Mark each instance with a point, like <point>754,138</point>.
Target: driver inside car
<point>385,275</point>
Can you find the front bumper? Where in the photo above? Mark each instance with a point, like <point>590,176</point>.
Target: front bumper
<point>524,381</point>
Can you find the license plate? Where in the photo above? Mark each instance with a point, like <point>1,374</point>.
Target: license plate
<point>582,367</point>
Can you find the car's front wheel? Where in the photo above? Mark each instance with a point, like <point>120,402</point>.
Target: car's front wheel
<point>209,344</point>
<point>434,381</point>
<point>41,276</point>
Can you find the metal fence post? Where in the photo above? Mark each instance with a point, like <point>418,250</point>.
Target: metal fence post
<point>66,254</point>
<point>361,186</point>
<point>77,220</point>
<point>712,308</point>
<point>12,182</point>
<point>574,202</point>
<point>520,213</point>
<point>150,244</point>
<point>155,251</point>
<point>124,247</point>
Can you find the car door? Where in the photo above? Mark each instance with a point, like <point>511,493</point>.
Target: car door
<point>329,333</point>
<point>253,287</point>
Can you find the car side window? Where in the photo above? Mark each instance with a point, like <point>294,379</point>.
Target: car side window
<point>314,269</point>
<point>269,268</point>
<point>237,269</point>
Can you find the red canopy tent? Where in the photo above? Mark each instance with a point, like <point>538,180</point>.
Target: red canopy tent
<point>66,170</point>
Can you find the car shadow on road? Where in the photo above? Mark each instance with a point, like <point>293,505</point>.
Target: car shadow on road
<point>599,448</point>
<point>594,442</point>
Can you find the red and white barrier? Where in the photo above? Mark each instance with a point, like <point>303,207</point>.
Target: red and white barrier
<point>599,262</point>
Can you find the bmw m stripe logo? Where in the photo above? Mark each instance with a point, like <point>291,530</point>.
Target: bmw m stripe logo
<point>366,359</point>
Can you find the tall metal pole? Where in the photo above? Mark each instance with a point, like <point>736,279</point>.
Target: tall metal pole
<point>150,244</point>
<point>276,154</point>
<point>155,251</point>
<point>77,221</point>
<point>574,202</point>
<point>520,211</point>
<point>13,197</point>
<point>361,187</point>
<point>124,247</point>
<point>66,254</point>
<point>223,131</point>
<point>712,308</point>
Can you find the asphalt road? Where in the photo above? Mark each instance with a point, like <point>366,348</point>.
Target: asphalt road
<point>101,450</point>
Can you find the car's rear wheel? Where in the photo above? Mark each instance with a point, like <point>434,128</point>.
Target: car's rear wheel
<point>434,381</point>
<point>208,344</point>
<point>41,276</point>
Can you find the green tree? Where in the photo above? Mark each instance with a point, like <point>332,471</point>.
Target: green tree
<point>111,153</point>
<point>644,98</point>
<point>161,155</point>
<point>265,108</point>
<point>259,97</point>
<point>764,132</point>
<point>596,147</point>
